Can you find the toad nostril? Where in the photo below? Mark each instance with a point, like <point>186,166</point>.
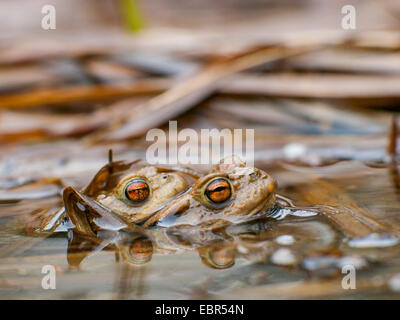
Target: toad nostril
<point>254,175</point>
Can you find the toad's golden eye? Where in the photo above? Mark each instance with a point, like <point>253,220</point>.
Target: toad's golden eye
<point>218,190</point>
<point>137,190</point>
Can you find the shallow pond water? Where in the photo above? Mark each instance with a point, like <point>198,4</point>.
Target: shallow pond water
<point>336,215</point>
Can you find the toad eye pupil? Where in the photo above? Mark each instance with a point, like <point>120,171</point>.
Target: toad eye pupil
<point>218,191</point>
<point>137,190</point>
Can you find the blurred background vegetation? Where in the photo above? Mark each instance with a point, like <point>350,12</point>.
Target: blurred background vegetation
<point>22,17</point>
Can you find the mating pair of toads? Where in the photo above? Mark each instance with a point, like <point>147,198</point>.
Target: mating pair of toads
<point>134,194</point>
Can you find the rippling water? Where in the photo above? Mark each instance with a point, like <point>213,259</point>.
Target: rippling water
<point>328,217</point>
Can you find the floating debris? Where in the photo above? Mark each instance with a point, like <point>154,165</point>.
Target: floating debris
<point>394,283</point>
<point>331,264</point>
<point>285,239</point>
<point>373,240</point>
<point>284,257</point>
<point>294,150</point>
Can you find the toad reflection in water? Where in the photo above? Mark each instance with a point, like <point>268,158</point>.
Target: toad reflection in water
<point>253,241</point>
